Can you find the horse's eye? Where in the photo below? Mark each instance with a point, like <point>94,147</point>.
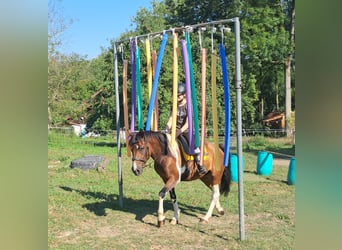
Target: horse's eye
<point>139,147</point>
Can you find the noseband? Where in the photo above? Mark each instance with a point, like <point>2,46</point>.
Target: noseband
<point>138,159</point>
<point>145,154</point>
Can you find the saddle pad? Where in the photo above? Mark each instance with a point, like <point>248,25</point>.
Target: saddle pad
<point>184,147</point>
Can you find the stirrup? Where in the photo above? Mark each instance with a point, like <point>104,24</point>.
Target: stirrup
<point>201,169</point>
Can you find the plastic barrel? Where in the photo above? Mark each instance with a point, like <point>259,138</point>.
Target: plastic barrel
<point>234,168</point>
<point>291,174</point>
<point>264,164</point>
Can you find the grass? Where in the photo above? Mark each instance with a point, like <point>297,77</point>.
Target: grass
<point>84,211</point>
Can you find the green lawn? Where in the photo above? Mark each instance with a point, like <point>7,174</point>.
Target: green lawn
<point>84,211</point>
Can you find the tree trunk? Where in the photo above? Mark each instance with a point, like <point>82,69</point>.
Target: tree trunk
<point>287,63</point>
<point>277,98</point>
<point>287,94</point>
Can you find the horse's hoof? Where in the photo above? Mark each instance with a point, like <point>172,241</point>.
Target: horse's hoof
<point>161,223</point>
<point>204,221</point>
<point>173,222</point>
<point>221,212</point>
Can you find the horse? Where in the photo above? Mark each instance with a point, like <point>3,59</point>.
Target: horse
<point>173,165</point>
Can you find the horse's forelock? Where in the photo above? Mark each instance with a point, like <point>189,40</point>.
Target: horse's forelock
<point>140,135</point>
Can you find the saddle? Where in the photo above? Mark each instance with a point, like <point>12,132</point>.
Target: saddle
<point>183,143</point>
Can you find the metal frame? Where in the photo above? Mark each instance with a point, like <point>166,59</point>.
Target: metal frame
<point>238,87</point>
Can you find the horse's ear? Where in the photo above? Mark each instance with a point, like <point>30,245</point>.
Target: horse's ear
<point>130,136</point>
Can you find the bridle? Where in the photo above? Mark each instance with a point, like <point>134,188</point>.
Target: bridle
<point>138,159</point>
<point>145,154</point>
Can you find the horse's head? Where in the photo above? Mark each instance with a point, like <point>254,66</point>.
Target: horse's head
<point>140,151</point>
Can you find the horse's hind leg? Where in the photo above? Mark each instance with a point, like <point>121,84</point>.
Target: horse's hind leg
<point>214,201</point>
<point>220,209</point>
<point>176,209</point>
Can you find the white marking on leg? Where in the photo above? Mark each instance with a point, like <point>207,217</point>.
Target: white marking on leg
<point>161,216</point>
<point>217,204</point>
<point>214,197</point>
<point>176,212</point>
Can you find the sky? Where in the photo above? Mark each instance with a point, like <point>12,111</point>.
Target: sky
<point>95,23</point>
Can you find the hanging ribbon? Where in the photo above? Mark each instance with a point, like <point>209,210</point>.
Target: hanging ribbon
<point>175,89</point>
<point>227,104</point>
<point>137,61</point>
<point>203,85</point>
<point>214,109</point>
<point>149,72</point>
<point>133,85</point>
<point>155,82</point>
<point>193,91</point>
<point>125,103</point>
<point>155,111</point>
<point>188,93</point>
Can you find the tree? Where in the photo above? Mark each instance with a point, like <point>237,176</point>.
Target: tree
<point>266,46</point>
<point>191,12</point>
<point>68,88</point>
<point>289,9</point>
<point>101,108</point>
<point>56,76</point>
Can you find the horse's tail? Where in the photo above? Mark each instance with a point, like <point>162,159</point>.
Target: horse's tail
<point>225,182</point>
<point>226,178</point>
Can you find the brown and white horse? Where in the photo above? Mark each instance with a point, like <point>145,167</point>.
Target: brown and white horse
<point>172,166</point>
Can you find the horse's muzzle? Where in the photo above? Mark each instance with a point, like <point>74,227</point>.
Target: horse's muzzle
<point>137,171</point>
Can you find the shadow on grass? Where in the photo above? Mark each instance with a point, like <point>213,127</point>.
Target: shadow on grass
<point>277,180</point>
<point>269,178</point>
<point>278,153</point>
<point>140,208</point>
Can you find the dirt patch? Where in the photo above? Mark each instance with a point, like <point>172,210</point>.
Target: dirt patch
<point>52,164</point>
<point>281,162</point>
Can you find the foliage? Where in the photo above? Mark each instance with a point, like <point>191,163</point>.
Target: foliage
<point>85,87</point>
<point>68,87</point>
<point>257,142</point>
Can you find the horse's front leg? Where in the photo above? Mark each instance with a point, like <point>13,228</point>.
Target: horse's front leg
<point>169,186</point>
<point>176,210</point>
<point>161,217</point>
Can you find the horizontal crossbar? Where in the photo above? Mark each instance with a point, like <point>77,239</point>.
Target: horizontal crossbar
<point>183,28</point>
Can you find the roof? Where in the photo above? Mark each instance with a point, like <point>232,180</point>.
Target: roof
<point>273,116</point>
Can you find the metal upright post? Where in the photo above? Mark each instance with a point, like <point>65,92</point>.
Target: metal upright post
<point>239,126</point>
<point>118,139</point>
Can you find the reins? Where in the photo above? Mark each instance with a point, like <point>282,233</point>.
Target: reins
<point>138,159</point>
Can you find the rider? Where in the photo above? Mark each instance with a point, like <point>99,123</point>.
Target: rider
<point>182,122</point>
